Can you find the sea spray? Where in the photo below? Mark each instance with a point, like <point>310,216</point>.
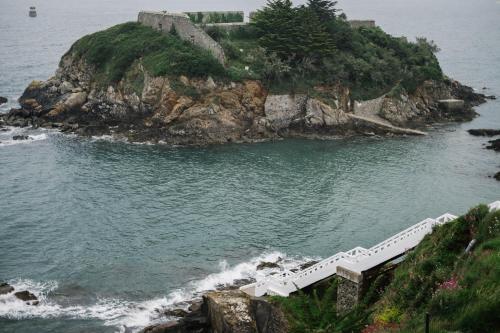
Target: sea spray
<point>134,315</point>
<point>7,134</point>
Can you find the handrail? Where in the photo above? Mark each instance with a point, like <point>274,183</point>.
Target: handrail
<point>358,259</point>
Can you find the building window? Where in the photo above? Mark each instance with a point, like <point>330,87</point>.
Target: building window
<point>160,26</point>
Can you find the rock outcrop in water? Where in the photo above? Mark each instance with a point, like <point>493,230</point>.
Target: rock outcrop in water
<point>492,144</point>
<point>484,132</point>
<point>24,295</point>
<point>189,111</point>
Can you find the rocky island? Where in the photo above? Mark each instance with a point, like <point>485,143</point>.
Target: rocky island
<point>291,72</point>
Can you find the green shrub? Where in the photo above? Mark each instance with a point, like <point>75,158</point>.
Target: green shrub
<point>461,291</point>
<point>113,51</point>
<point>317,312</point>
<point>367,60</point>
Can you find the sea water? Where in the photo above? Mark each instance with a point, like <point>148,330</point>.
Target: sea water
<point>108,233</point>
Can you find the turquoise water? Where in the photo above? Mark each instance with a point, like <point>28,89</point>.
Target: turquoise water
<point>106,232</point>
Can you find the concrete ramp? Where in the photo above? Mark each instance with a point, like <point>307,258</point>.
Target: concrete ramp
<point>368,112</point>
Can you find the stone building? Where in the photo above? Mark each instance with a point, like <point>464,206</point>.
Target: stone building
<point>362,23</point>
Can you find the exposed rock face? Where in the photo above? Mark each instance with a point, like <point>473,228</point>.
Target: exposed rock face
<point>282,110</point>
<point>3,100</point>
<point>187,111</point>
<point>433,101</point>
<point>319,114</point>
<point>229,311</point>
<point>233,311</point>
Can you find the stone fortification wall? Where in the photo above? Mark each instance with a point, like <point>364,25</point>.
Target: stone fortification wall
<point>187,30</point>
<point>362,23</point>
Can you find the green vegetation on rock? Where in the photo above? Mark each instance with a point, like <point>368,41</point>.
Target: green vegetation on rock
<point>215,17</point>
<point>114,51</point>
<point>290,49</point>
<point>314,43</point>
<point>460,291</point>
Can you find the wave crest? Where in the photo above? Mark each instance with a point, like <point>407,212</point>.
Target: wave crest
<point>128,315</point>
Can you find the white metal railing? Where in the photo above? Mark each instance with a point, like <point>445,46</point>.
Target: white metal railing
<point>357,260</point>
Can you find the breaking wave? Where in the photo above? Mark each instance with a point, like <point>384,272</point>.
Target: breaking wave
<point>128,316</point>
<point>7,134</point>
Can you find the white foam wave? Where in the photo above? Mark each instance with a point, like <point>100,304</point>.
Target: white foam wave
<point>6,137</point>
<point>127,315</point>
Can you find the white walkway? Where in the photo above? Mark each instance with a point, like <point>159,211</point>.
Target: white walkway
<point>357,260</point>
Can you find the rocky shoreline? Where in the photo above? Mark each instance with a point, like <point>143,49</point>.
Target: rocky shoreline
<point>193,111</point>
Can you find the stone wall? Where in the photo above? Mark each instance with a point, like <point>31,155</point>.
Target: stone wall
<point>362,23</point>
<point>163,21</point>
<point>349,290</point>
<point>348,295</point>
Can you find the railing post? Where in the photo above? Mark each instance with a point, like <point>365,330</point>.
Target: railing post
<point>427,322</point>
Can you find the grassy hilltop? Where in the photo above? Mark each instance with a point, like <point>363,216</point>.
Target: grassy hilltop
<point>460,291</point>
<point>290,49</point>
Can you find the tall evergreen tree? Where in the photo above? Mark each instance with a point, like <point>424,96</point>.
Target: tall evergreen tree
<point>324,9</point>
<point>293,33</point>
<point>276,26</point>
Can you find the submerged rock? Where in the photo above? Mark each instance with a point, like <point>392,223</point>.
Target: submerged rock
<point>180,313</point>
<point>5,288</point>
<point>267,265</point>
<point>484,132</point>
<point>495,145</point>
<point>25,296</point>
<point>20,137</point>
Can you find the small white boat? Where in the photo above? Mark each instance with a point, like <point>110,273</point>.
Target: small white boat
<point>32,12</point>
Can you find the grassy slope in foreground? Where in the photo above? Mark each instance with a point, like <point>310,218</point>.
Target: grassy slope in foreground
<point>461,292</point>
